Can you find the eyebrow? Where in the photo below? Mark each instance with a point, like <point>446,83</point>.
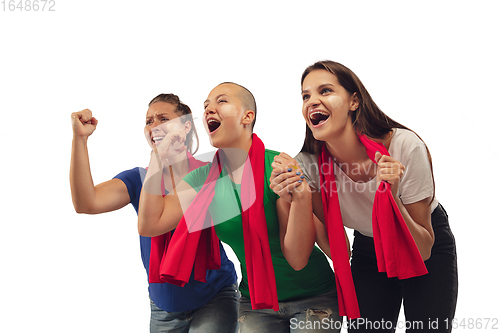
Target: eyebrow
<point>320,87</point>
<point>216,98</point>
<point>158,115</point>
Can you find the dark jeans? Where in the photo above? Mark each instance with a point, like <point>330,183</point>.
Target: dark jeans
<point>429,301</point>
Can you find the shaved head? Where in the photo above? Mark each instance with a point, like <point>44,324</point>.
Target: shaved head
<point>246,98</point>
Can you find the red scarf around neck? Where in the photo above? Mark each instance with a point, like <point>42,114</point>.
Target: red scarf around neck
<point>396,251</point>
<point>187,248</point>
<point>159,244</point>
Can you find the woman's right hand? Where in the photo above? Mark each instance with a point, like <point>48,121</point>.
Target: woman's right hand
<point>83,123</point>
<point>174,135</point>
<point>287,179</point>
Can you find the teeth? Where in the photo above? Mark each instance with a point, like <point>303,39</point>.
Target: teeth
<point>212,121</point>
<point>317,112</point>
<point>158,138</point>
<point>318,117</point>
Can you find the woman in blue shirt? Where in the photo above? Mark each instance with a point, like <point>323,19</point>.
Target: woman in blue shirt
<point>196,307</point>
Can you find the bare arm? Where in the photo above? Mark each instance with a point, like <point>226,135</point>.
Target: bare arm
<point>416,215</point>
<point>322,237</point>
<point>159,215</point>
<point>418,219</point>
<point>87,198</point>
<point>317,204</point>
<point>297,232</point>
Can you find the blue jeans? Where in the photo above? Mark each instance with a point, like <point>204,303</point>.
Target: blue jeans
<point>219,315</point>
<point>312,314</point>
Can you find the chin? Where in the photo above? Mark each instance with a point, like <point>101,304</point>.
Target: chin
<point>320,135</point>
<point>330,132</point>
<point>214,143</point>
<point>222,141</point>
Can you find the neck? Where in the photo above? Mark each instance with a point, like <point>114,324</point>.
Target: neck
<point>236,156</point>
<point>178,164</point>
<point>245,142</point>
<point>347,148</point>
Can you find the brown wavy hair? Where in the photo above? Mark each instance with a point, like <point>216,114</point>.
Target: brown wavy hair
<point>367,119</point>
<point>181,110</point>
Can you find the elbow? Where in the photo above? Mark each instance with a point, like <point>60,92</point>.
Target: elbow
<point>150,226</point>
<point>425,255</point>
<point>298,263</point>
<point>426,250</point>
<point>85,206</point>
<point>299,266</point>
<point>145,230</point>
<point>298,258</point>
<point>82,209</point>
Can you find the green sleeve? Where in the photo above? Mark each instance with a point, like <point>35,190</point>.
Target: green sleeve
<point>197,177</point>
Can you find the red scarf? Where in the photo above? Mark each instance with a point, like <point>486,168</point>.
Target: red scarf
<point>397,253</point>
<point>186,245</point>
<point>159,244</point>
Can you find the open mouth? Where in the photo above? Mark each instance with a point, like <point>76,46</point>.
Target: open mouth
<point>318,117</point>
<point>213,125</point>
<point>157,139</point>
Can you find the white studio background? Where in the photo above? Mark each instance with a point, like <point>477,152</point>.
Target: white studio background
<point>431,65</point>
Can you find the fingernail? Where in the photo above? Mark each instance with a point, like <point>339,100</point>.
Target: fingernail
<point>302,176</point>
<point>300,181</point>
<point>289,169</point>
<point>297,173</point>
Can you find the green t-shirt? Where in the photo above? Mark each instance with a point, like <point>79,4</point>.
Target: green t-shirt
<point>314,279</point>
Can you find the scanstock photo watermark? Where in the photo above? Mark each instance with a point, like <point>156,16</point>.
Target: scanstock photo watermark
<point>431,324</point>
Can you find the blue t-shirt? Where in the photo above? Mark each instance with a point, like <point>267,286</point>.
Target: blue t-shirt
<point>169,297</point>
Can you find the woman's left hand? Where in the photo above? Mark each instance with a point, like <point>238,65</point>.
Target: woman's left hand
<point>389,170</point>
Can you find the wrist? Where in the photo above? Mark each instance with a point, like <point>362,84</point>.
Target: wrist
<point>155,163</point>
<point>78,139</point>
<point>302,194</point>
<point>399,203</point>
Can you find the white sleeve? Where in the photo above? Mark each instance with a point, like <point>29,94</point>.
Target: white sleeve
<point>309,165</point>
<point>416,183</point>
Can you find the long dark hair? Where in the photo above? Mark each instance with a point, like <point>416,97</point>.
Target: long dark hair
<point>368,119</point>
<point>182,110</point>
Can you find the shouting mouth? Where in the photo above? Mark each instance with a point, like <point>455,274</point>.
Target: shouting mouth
<point>213,125</point>
<point>318,117</point>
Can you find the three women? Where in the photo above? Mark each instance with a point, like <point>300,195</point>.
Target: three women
<point>362,170</point>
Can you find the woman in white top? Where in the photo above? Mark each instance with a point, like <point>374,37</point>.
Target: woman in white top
<point>337,108</point>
